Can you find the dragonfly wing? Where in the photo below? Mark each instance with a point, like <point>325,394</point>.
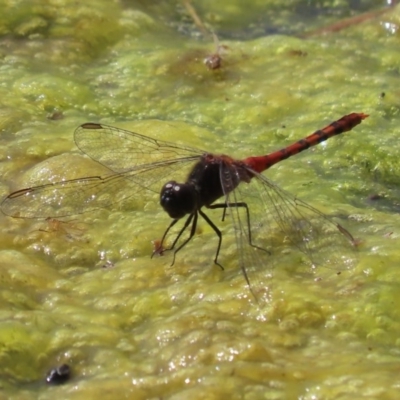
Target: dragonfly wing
<point>283,230</point>
<point>321,239</point>
<point>254,261</point>
<point>76,196</point>
<point>138,162</point>
<point>121,150</point>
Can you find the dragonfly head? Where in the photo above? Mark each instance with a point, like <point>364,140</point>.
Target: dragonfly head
<point>178,199</point>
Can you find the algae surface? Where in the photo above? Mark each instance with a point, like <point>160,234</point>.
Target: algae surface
<point>84,290</point>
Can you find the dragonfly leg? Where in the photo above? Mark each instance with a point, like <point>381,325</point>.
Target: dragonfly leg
<point>219,234</point>
<point>188,221</point>
<point>160,249</point>
<point>224,206</point>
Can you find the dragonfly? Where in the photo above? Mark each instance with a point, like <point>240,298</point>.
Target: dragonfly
<point>258,208</point>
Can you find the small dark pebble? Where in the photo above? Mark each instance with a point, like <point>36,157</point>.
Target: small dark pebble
<point>59,375</point>
<point>373,197</point>
<point>213,61</point>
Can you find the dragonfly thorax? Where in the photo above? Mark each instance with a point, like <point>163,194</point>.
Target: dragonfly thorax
<point>178,199</point>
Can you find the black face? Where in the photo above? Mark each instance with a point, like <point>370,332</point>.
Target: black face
<point>178,199</point>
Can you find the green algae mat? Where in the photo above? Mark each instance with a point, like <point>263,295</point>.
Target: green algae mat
<point>80,288</point>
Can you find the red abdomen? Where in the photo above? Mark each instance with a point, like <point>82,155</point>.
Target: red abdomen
<point>344,124</point>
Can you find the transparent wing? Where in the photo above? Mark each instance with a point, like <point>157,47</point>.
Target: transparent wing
<point>319,237</point>
<point>282,230</point>
<point>254,261</point>
<point>140,163</point>
<point>121,150</point>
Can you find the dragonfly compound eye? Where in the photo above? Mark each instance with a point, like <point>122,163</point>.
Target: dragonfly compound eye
<point>178,199</point>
